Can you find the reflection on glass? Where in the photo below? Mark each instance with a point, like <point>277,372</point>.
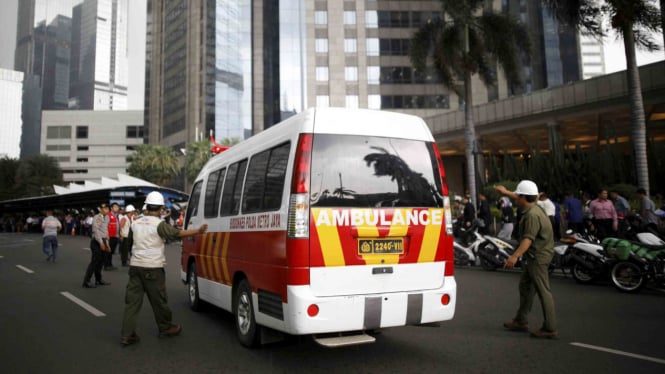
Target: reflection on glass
<point>362,171</point>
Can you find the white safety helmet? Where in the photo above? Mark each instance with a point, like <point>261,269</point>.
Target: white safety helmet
<point>154,198</point>
<point>527,188</point>
<point>129,208</point>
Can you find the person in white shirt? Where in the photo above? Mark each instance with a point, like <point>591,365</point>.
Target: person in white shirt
<point>50,226</point>
<point>547,205</point>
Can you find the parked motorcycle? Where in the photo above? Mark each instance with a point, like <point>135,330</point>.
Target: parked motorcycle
<point>639,263</point>
<point>465,246</point>
<point>494,252</point>
<point>585,257</point>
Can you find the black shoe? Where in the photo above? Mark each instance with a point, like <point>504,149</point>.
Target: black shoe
<point>102,283</point>
<point>127,340</point>
<point>88,285</point>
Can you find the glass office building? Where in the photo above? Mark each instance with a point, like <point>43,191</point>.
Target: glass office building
<point>236,67</point>
<point>11,85</point>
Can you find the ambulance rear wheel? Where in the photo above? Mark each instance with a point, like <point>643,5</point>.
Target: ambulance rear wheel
<point>243,311</point>
<point>195,302</point>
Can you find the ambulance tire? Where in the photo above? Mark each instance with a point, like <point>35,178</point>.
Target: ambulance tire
<point>195,303</point>
<point>243,311</point>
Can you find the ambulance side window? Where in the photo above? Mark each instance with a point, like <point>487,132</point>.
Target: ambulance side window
<point>265,180</point>
<point>233,188</point>
<point>193,206</point>
<point>213,192</point>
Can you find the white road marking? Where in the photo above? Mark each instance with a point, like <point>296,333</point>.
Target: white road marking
<point>94,311</point>
<point>622,353</point>
<point>86,249</point>
<point>2,256</point>
<point>25,269</point>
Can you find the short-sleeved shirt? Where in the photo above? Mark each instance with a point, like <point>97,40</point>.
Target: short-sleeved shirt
<point>51,226</point>
<point>648,208</point>
<point>573,209</point>
<point>536,226</point>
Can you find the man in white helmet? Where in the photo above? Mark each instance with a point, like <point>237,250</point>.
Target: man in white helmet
<point>146,269</point>
<point>125,243</point>
<point>537,248</point>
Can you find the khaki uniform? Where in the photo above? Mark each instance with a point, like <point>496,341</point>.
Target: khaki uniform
<point>536,226</point>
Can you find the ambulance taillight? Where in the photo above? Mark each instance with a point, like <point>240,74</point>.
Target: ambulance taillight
<point>298,220</point>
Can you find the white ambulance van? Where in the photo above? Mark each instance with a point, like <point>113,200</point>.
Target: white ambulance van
<point>333,223</point>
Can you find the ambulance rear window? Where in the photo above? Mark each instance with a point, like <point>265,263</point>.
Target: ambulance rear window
<point>366,171</point>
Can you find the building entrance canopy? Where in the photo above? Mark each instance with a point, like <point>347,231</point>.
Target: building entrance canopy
<point>84,198</point>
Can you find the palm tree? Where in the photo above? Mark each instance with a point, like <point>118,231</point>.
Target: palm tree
<point>36,175</point>
<point>8,169</point>
<point>155,163</point>
<point>635,21</point>
<point>467,42</point>
<point>198,153</point>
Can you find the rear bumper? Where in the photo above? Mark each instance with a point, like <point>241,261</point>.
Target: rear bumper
<point>352,313</point>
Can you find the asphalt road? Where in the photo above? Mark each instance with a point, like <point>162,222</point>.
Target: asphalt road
<point>43,329</point>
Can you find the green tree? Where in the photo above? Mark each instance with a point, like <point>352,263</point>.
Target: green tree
<point>635,21</point>
<point>470,40</point>
<point>155,163</point>
<point>198,153</point>
<point>36,175</point>
<point>8,170</point>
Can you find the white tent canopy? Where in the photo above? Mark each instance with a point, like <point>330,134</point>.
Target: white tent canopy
<point>123,180</point>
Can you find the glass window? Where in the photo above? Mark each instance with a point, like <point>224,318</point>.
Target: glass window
<point>193,205</point>
<point>83,148</point>
<point>233,188</point>
<point>374,101</point>
<point>321,45</point>
<point>352,101</point>
<point>322,73</point>
<point>265,180</point>
<point>373,74</point>
<point>81,132</point>
<point>134,132</point>
<point>351,73</point>
<point>349,17</point>
<point>321,17</point>
<point>373,47</point>
<point>370,172</point>
<point>323,101</point>
<point>371,19</point>
<point>350,45</point>
<point>59,132</point>
<point>213,193</point>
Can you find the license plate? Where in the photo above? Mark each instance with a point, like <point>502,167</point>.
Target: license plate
<point>380,246</point>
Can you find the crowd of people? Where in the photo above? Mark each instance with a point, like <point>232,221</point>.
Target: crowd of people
<point>607,214</point>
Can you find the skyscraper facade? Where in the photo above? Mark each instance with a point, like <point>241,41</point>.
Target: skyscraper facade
<point>11,85</point>
<point>74,55</point>
<point>237,66</point>
<point>99,64</point>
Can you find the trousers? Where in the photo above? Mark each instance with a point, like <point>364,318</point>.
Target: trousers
<point>50,246</point>
<point>96,263</point>
<point>152,282</point>
<point>535,280</point>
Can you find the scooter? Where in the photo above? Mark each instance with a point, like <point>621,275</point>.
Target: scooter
<point>466,245</point>
<point>494,252</point>
<point>586,257</point>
